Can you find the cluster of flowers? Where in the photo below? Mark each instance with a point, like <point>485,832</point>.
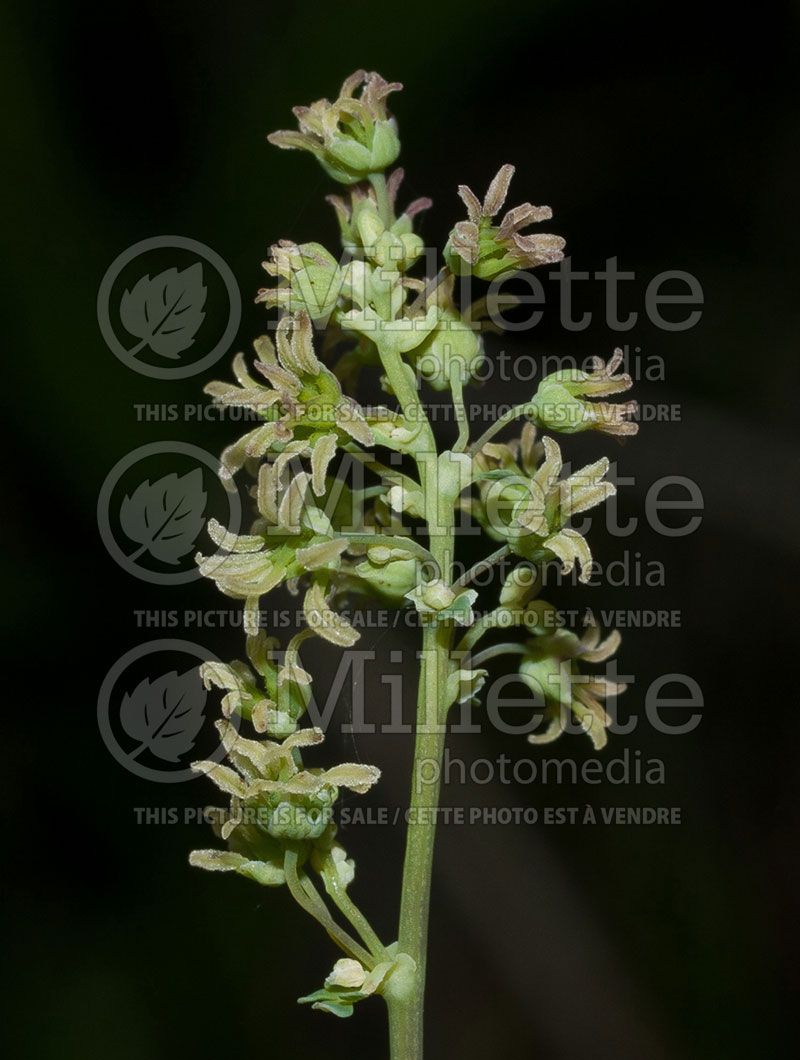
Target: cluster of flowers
<point>312,532</point>
<point>278,826</point>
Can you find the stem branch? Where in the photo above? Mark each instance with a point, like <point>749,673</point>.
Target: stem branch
<point>479,568</point>
<point>308,898</point>
<point>457,388</point>
<point>350,910</point>
<point>512,414</point>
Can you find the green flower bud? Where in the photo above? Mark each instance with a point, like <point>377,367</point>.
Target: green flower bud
<point>312,279</point>
<point>367,221</point>
<point>452,349</point>
<point>388,572</point>
<point>301,819</point>
<point>385,146</point>
<point>364,234</point>
<point>413,247</point>
<point>437,602</point>
<point>562,400</point>
<point>350,138</point>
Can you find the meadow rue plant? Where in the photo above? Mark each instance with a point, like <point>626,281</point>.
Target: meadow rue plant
<point>394,540</point>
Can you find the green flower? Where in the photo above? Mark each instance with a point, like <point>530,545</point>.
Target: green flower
<point>275,801</point>
<point>292,536</point>
<point>273,698</point>
<point>312,279</point>
<point>350,137</point>
<point>551,669</point>
<point>302,402</point>
<point>349,983</point>
<point>527,506</point>
<point>436,601</point>
<point>486,250</point>
<point>563,401</point>
<point>453,348</point>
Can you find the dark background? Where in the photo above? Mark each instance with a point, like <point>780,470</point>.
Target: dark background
<point>664,134</point>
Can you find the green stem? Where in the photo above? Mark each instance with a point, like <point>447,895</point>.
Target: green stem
<point>406,1012</point>
<point>430,288</point>
<point>457,388</point>
<point>507,648</point>
<point>487,621</point>
<point>479,568</point>
<point>406,1007</point>
<point>514,413</point>
<point>350,910</point>
<point>403,383</point>
<point>308,898</point>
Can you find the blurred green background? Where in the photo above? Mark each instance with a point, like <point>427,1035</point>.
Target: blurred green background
<point>664,134</point>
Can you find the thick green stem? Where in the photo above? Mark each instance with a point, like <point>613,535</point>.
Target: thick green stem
<point>406,1012</point>
<point>406,1015</point>
<point>406,1006</point>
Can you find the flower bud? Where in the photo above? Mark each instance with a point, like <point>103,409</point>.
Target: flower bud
<point>563,400</point>
<point>312,279</point>
<point>391,576</point>
<point>350,138</point>
<point>437,602</point>
<point>452,348</point>
<point>365,234</point>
